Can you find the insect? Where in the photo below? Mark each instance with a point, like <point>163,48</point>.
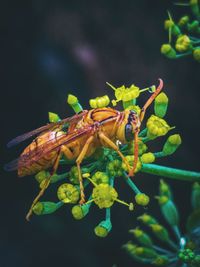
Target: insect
<point>77,138</point>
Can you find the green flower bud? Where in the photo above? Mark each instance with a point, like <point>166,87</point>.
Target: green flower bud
<point>53,117</point>
<point>194,5</point>
<point>142,147</point>
<point>156,127</point>
<point>42,208</point>
<point>186,255</point>
<point>171,145</point>
<point>160,105</point>
<point>80,211</point>
<point>147,219</point>
<point>68,193</point>
<point>145,252</point>
<point>74,103</point>
<point>183,43</point>
<point>168,51</point>
<point>169,210</point>
<point>142,199</point>
<point>161,261</point>
<point>143,238</point>
<point>147,158</point>
<point>73,175</point>
<point>130,160</point>
<point>195,198</point>
<point>103,228</point>
<point>72,99</point>
<point>160,232</point>
<point>114,168</point>
<point>164,189</point>
<point>41,176</point>
<point>183,21</point>
<point>193,26</point>
<point>100,178</point>
<point>100,102</point>
<point>104,195</point>
<point>196,54</point>
<point>169,24</point>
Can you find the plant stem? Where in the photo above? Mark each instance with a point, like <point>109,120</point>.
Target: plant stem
<point>173,173</point>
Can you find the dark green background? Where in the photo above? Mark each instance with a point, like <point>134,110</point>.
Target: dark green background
<point>52,48</point>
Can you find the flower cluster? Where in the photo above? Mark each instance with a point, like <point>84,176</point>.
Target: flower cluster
<point>183,35</point>
<point>99,172</point>
<point>185,250</point>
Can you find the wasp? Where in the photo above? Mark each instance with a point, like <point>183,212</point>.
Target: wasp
<point>77,138</point>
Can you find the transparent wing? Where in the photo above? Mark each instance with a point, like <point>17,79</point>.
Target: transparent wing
<point>49,126</point>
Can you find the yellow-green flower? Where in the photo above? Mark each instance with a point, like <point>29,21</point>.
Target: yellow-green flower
<point>100,102</point>
<point>130,159</point>
<point>68,193</point>
<point>104,195</point>
<point>156,127</point>
<point>100,178</point>
<point>183,43</point>
<point>196,54</point>
<point>142,147</point>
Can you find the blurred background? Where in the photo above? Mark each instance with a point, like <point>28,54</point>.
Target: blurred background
<point>52,48</point>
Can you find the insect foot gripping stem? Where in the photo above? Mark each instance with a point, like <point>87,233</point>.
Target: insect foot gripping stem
<point>100,161</point>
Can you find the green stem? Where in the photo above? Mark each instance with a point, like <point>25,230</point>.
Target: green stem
<point>183,54</point>
<point>173,173</point>
<point>131,184</point>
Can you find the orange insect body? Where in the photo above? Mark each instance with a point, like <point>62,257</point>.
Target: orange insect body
<point>104,120</point>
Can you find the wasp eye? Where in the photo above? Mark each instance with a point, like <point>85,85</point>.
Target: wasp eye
<point>129,132</point>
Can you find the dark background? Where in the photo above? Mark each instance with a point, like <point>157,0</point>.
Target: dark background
<point>52,48</point>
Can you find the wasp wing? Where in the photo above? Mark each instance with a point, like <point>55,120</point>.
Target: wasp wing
<point>35,155</point>
<point>49,126</point>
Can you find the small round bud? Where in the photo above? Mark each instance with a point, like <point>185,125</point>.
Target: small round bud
<point>41,176</point>
<point>168,51</point>
<point>147,158</point>
<point>100,178</point>
<point>183,43</point>
<point>142,199</point>
<point>114,168</point>
<point>53,117</point>
<point>42,208</point>
<point>103,228</point>
<point>160,232</point>
<point>142,147</point>
<point>68,193</point>
<point>80,211</point>
<point>172,144</point>
<point>72,99</point>
<point>183,21</point>
<point>196,54</point>
<point>160,105</point>
<point>73,175</point>
<point>164,189</point>
<point>100,102</point>
<point>168,23</point>
<point>193,26</point>
<point>147,219</point>
<point>104,195</point>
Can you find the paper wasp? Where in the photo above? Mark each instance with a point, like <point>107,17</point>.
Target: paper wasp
<point>76,138</point>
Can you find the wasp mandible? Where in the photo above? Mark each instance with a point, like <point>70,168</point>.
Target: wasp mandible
<point>77,138</point>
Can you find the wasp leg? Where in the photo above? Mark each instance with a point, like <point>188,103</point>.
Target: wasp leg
<point>150,100</point>
<point>78,162</point>
<point>136,152</point>
<point>46,184</point>
<point>109,142</point>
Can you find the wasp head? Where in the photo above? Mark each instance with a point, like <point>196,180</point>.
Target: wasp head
<point>130,123</point>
